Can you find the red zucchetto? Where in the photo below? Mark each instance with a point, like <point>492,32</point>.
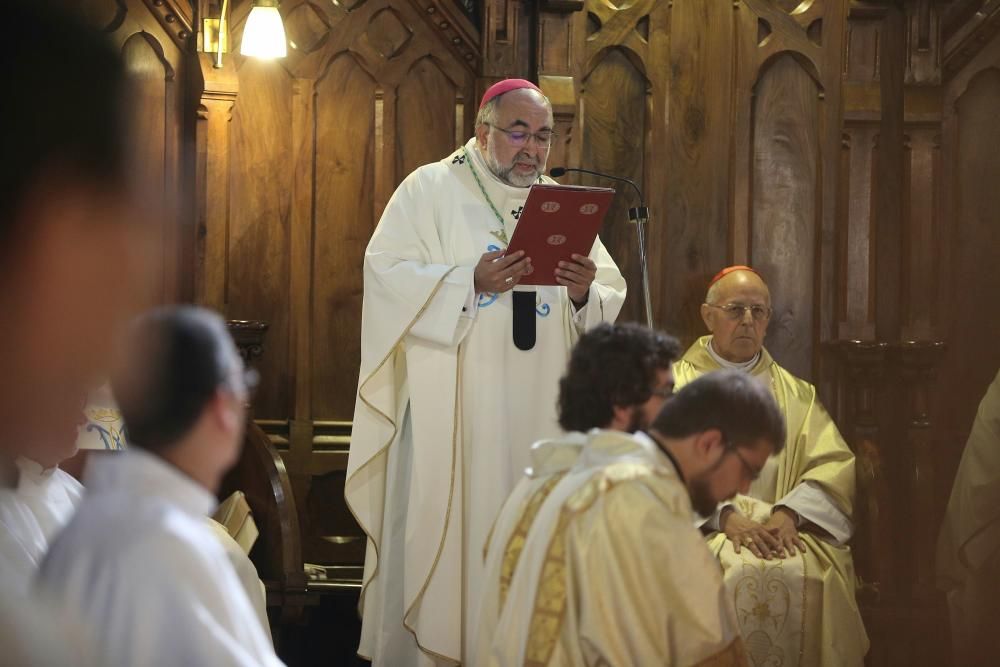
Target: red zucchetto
<point>730,269</point>
<point>505,86</point>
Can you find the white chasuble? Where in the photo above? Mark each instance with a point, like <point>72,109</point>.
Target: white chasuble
<point>138,563</point>
<point>447,405</point>
<point>799,610</point>
<point>51,494</point>
<point>21,543</point>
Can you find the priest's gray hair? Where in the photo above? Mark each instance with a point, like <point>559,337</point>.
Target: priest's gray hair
<point>175,358</point>
<point>488,114</point>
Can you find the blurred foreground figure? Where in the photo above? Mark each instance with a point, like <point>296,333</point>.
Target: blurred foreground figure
<point>65,266</point>
<point>139,554</point>
<point>968,554</point>
<point>32,513</point>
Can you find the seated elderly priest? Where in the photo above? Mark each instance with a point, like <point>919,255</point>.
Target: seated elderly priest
<point>138,554</point>
<point>612,570</point>
<point>783,547</point>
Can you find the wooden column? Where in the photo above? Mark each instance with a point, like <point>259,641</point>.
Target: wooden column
<point>215,111</point>
<point>860,384</point>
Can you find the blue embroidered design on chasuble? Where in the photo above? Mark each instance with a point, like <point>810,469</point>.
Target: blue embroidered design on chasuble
<point>111,437</point>
<point>489,298</point>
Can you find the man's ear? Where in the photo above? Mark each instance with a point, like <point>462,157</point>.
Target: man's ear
<point>708,317</point>
<point>226,417</point>
<point>706,441</point>
<point>621,417</point>
<point>481,133</point>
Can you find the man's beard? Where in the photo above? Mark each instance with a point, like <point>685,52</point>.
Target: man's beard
<point>701,497</point>
<point>507,173</point>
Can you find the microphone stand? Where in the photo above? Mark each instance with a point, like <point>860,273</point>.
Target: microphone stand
<point>638,215</point>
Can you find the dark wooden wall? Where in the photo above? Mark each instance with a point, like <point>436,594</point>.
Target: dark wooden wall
<point>154,39</point>
<point>850,150</point>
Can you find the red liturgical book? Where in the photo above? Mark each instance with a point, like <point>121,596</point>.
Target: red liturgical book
<point>556,222</point>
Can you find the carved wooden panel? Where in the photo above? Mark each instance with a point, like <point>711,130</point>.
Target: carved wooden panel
<point>344,219</point>
<point>426,116</point>
<point>151,87</point>
<point>861,63</point>
<point>257,245</point>
<point>921,270</point>
<point>784,218</point>
<point>614,106</point>
<point>856,305</point>
<point>695,243</point>
<point>162,166</point>
<point>106,15</point>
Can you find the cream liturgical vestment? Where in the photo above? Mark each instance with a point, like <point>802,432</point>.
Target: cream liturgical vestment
<point>968,553</point>
<point>139,557</point>
<point>447,406</point>
<point>799,610</point>
<point>30,516</point>
<point>600,564</point>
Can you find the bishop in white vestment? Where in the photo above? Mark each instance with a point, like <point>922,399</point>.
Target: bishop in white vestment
<point>447,405</point>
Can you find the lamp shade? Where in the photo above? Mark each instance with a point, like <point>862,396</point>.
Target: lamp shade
<point>264,34</point>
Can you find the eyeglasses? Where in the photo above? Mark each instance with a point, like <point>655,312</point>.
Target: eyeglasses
<point>520,139</point>
<point>244,380</point>
<point>736,311</point>
<point>666,391</point>
<point>752,473</point>
<point>251,380</point>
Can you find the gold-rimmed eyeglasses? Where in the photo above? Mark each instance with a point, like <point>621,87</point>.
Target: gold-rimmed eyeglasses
<point>736,311</point>
<point>519,138</point>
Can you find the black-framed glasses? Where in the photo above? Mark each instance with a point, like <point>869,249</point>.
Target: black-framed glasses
<point>736,311</point>
<point>519,138</point>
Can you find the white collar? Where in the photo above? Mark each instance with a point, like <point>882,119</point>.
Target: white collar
<point>140,473</point>
<point>732,365</point>
<point>607,446</point>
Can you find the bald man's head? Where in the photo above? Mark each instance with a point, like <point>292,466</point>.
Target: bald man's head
<point>737,310</point>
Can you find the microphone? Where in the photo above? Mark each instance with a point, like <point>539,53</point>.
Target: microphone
<point>637,214</point>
